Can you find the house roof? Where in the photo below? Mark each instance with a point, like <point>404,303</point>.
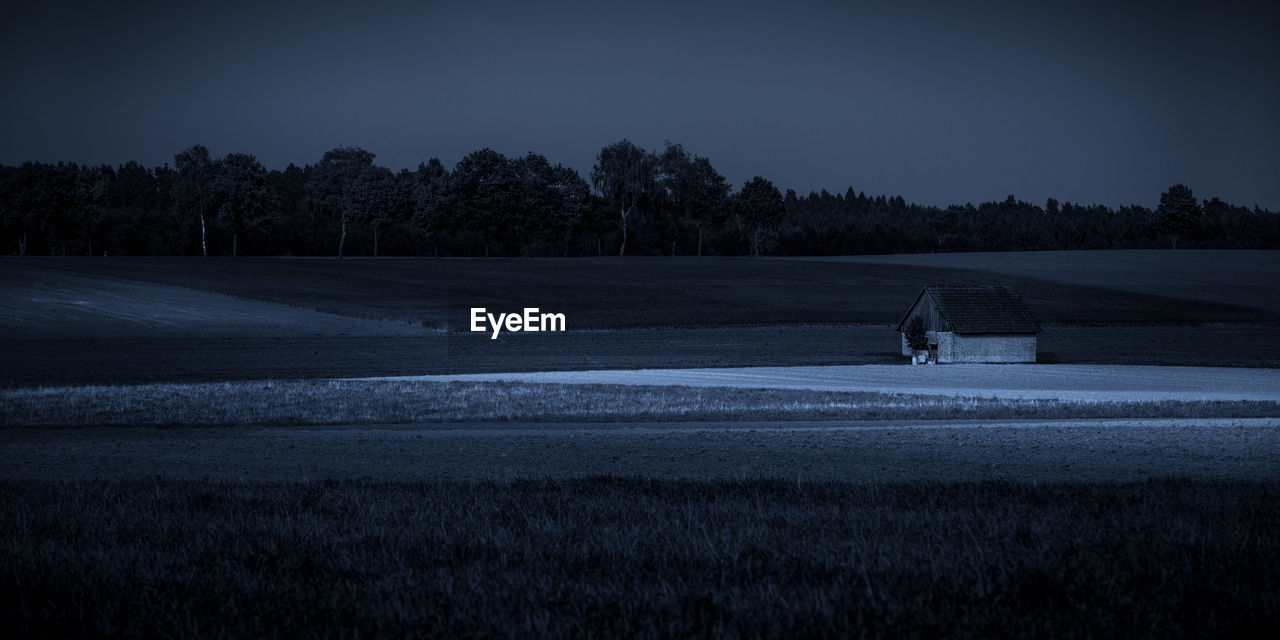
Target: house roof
<point>978,309</point>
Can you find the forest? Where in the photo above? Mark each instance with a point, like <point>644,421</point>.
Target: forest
<point>634,202</point>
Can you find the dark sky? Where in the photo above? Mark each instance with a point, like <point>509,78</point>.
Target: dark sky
<point>940,102</point>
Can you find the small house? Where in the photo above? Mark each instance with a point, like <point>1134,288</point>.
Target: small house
<point>974,324</point>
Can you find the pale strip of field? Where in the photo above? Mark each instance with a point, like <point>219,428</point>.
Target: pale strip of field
<point>1116,383</point>
<point>48,304</point>
<point>1057,450</point>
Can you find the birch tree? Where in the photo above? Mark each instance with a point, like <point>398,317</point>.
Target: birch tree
<point>192,188</point>
<point>336,185</point>
<point>624,176</point>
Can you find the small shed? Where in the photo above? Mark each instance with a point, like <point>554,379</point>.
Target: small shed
<point>974,324</point>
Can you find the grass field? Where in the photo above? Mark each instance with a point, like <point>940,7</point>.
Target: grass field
<point>90,320</point>
<point>1123,287</point>
<point>609,557</point>
<point>357,402</point>
<point>168,358</point>
<point>1067,383</point>
<point>242,491</point>
<point>1228,277</point>
<point>1099,451</point>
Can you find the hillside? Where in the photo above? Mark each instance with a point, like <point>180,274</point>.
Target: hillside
<point>79,320</point>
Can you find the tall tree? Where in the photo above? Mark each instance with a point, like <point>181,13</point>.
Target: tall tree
<point>706,201</point>
<point>292,224</point>
<point>241,191</point>
<point>337,186</point>
<point>598,220</point>
<point>430,196</point>
<point>551,202</point>
<point>483,194</point>
<point>1178,213</point>
<point>11,219</point>
<point>24,202</point>
<point>673,178</point>
<point>47,202</point>
<point>385,198</point>
<point>535,203</point>
<point>624,175</point>
<point>135,187</point>
<point>170,233</point>
<point>572,203</point>
<point>760,208</point>
<point>191,189</point>
<point>92,187</point>
<point>691,192</point>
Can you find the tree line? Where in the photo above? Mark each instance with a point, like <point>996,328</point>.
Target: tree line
<point>634,202</point>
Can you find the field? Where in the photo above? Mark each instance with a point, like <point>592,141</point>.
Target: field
<point>716,447</point>
<point>1068,383</point>
<point>117,320</point>
<point>1226,277</point>
<point>1028,450</point>
<point>639,558</point>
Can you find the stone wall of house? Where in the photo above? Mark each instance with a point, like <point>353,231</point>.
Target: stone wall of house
<point>986,347</point>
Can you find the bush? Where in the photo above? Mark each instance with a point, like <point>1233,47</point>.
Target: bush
<point>917,337</point>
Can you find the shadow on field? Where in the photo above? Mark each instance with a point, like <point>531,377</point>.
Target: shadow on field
<point>609,557</point>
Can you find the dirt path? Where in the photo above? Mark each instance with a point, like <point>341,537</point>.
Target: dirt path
<point>1065,382</point>
<point>1103,450</point>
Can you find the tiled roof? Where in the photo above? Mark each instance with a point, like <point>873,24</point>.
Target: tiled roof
<point>982,309</point>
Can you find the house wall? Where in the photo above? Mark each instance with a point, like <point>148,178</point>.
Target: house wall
<point>1014,347</point>
<point>929,312</point>
<point>933,323</point>
<point>946,347</point>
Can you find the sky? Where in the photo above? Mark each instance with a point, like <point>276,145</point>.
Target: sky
<point>939,102</point>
